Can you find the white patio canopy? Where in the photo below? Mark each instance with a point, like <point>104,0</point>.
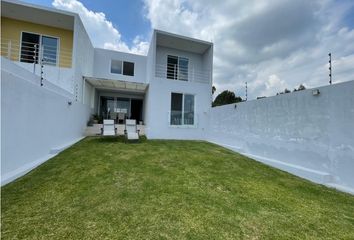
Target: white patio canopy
<point>110,84</point>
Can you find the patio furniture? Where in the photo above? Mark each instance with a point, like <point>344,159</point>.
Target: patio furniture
<point>121,117</point>
<point>114,116</point>
<point>131,131</point>
<point>109,128</point>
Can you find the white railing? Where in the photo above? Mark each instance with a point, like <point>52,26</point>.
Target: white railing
<point>31,52</point>
<point>176,72</point>
<point>51,63</point>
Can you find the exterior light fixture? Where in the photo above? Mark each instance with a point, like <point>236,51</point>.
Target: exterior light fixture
<point>315,92</point>
<point>70,102</point>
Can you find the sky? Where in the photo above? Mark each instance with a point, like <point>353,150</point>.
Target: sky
<point>270,44</point>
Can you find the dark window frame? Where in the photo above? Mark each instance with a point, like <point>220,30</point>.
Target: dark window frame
<point>178,114</point>
<point>127,68</point>
<point>29,53</point>
<point>174,70</point>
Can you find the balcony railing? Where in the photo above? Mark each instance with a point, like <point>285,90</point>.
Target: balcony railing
<point>31,52</point>
<point>175,72</point>
<point>49,62</point>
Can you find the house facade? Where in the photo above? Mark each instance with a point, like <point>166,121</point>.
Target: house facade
<point>168,90</point>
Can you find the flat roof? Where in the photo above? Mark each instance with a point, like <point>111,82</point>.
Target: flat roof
<point>180,42</point>
<point>116,85</point>
<point>38,14</point>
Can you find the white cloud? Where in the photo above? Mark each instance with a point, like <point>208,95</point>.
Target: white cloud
<point>101,31</point>
<point>270,44</point>
<point>273,83</point>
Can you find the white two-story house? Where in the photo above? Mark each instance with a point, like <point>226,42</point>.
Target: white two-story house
<point>168,90</point>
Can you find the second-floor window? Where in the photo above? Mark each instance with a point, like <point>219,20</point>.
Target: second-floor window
<point>122,67</point>
<point>177,68</point>
<point>36,47</point>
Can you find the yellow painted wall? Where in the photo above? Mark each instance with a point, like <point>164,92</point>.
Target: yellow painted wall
<point>11,30</point>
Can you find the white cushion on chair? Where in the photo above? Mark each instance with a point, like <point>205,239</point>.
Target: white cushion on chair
<point>108,121</point>
<point>108,127</point>
<point>132,136</point>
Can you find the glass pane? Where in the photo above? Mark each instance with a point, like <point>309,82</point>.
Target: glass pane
<point>128,68</point>
<point>172,67</point>
<point>107,107</point>
<point>183,69</point>
<point>29,48</point>
<point>123,105</point>
<point>116,66</point>
<point>50,50</point>
<point>188,109</point>
<point>176,108</point>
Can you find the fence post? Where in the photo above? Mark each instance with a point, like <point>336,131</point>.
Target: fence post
<point>34,58</point>
<point>42,72</point>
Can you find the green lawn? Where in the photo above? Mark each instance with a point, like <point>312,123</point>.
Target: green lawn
<point>102,188</point>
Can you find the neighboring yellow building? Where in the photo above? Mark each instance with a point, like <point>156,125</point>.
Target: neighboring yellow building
<point>12,32</point>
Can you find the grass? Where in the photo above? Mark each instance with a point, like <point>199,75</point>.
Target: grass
<point>102,188</point>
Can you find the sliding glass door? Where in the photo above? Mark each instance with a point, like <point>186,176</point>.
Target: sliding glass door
<point>119,109</point>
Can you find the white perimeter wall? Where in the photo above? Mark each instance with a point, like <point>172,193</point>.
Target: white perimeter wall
<point>36,122</point>
<point>62,77</point>
<point>309,136</point>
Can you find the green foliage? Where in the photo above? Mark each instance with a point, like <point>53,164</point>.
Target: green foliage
<point>300,88</point>
<point>285,91</point>
<point>226,97</point>
<point>103,188</point>
<point>95,117</point>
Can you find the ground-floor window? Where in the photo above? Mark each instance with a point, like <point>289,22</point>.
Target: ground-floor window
<point>182,109</point>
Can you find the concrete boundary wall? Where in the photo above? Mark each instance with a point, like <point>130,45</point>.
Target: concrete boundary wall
<point>36,122</point>
<point>308,135</point>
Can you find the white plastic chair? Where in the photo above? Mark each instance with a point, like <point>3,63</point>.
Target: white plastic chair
<point>131,131</point>
<point>108,129</point>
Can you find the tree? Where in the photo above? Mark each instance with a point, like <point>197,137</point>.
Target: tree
<point>300,88</point>
<point>213,90</point>
<point>226,97</point>
<point>287,90</point>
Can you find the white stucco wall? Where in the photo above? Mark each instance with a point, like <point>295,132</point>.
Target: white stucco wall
<point>150,72</point>
<point>309,136</point>
<point>102,65</point>
<point>36,122</point>
<point>159,106</point>
<point>62,77</point>
<point>83,56</point>
<point>89,95</point>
